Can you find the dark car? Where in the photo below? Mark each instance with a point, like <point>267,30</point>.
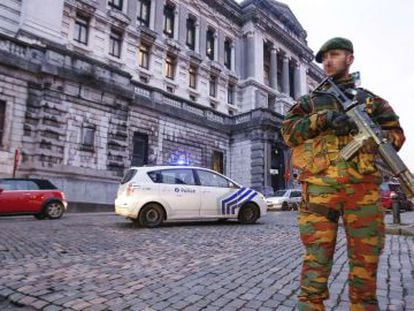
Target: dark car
<point>390,191</point>
<point>25,196</point>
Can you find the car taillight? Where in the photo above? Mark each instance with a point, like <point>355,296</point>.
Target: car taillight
<point>129,190</point>
<point>393,194</point>
<point>63,196</point>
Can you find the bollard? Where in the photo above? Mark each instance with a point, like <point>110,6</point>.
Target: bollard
<point>396,219</point>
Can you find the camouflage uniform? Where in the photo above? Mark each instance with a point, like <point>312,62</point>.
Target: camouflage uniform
<point>349,187</point>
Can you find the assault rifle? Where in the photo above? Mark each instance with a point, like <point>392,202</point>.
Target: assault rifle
<point>368,129</point>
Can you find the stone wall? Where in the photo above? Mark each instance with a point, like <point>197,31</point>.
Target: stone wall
<point>13,91</point>
<point>53,96</point>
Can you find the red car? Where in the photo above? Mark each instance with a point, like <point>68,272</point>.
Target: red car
<point>390,191</point>
<point>38,197</point>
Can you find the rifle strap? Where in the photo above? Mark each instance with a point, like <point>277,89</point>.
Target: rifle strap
<point>363,96</point>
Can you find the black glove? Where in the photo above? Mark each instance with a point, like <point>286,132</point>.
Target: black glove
<point>340,123</point>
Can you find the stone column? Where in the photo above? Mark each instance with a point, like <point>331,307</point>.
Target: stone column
<point>153,15</point>
<point>197,36</point>
<point>182,24</point>
<point>273,68</point>
<point>233,56</point>
<point>202,41</point>
<point>285,76</point>
<point>216,43</point>
<point>176,23</point>
<point>296,81</point>
<point>159,16</point>
<point>219,46</point>
<point>250,61</point>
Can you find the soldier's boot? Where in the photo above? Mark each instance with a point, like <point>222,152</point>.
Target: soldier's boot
<point>310,306</point>
<point>363,307</point>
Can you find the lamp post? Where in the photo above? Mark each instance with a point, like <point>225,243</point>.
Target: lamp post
<point>16,162</point>
<point>396,219</point>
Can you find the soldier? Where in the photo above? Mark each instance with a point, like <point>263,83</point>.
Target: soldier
<point>316,128</point>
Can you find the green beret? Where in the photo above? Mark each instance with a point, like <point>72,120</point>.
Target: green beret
<point>332,44</point>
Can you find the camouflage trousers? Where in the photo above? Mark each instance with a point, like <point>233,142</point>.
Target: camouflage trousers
<point>363,221</point>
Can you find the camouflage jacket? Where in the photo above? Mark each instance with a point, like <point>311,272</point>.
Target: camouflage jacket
<point>316,148</point>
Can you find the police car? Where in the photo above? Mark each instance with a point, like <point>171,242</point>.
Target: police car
<point>151,195</point>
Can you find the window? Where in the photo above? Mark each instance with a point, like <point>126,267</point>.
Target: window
<point>230,94</point>
<point>11,185</point>
<point>291,80</point>
<point>173,176</point>
<point>271,102</point>
<point>170,67</point>
<point>128,176</point>
<point>227,53</point>
<point>295,194</point>
<point>2,119</point>
<point>116,4</point>
<point>115,41</point>
<point>210,179</point>
<point>280,193</point>
<point>88,136</point>
<point>143,56</point>
<point>144,12</point>
<point>191,29</point>
<point>213,86</point>
<point>169,10</point>
<point>279,71</point>
<point>192,80</point>
<point>210,44</point>
<point>266,73</point>
<point>80,33</point>
<point>217,160</point>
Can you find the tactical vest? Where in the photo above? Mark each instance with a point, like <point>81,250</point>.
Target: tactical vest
<point>320,155</point>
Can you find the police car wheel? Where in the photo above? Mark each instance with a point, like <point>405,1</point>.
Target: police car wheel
<point>285,206</point>
<point>248,214</point>
<point>151,216</point>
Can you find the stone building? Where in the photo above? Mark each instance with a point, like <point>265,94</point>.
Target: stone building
<point>91,87</point>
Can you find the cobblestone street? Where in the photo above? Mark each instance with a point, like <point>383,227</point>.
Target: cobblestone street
<point>102,261</point>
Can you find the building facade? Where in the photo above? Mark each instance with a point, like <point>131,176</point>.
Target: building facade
<point>91,87</point>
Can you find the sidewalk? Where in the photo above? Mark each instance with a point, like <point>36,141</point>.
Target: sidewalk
<point>405,228</point>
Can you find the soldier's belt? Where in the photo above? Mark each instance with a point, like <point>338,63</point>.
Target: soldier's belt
<point>329,213</point>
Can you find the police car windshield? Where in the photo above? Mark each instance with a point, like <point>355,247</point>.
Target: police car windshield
<point>280,193</point>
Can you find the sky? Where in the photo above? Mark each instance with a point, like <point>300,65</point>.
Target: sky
<point>382,32</point>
